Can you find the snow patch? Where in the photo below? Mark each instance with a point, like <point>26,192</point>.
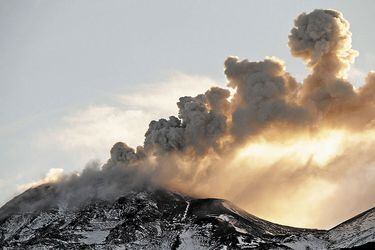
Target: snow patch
<point>94,237</point>
<point>306,242</point>
<point>186,211</point>
<point>188,242</point>
<point>232,221</point>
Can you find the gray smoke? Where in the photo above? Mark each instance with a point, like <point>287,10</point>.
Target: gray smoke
<point>122,153</point>
<point>196,152</point>
<point>323,40</point>
<point>265,94</point>
<point>201,124</point>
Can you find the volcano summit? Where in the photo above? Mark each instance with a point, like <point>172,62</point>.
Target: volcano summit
<point>286,151</point>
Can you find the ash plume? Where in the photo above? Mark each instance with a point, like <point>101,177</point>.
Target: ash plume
<point>200,125</point>
<point>265,94</point>
<point>228,146</point>
<point>323,40</point>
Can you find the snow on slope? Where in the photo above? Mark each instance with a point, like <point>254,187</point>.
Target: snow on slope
<point>159,219</point>
<point>354,232</point>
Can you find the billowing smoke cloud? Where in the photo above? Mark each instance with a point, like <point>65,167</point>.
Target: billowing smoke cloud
<point>122,153</point>
<point>202,123</point>
<point>265,94</point>
<point>323,40</point>
<point>280,149</point>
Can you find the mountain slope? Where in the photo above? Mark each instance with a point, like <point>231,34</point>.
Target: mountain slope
<point>159,219</point>
<point>354,232</point>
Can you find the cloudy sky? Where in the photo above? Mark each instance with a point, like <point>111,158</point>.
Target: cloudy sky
<point>78,76</point>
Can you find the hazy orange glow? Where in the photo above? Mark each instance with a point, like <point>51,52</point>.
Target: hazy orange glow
<point>303,179</point>
<point>54,175</point>
<point>318,149</point>
<point>301,175</point>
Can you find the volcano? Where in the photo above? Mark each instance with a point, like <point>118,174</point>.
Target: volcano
<point>155,218</point>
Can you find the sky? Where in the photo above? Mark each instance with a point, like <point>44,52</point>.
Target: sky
<point>78,76</point>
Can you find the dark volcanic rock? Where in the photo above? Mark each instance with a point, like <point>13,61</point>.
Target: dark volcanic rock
<point>159,219</point>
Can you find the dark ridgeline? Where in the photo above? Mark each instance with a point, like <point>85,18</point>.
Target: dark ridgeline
<point>154,218</point>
